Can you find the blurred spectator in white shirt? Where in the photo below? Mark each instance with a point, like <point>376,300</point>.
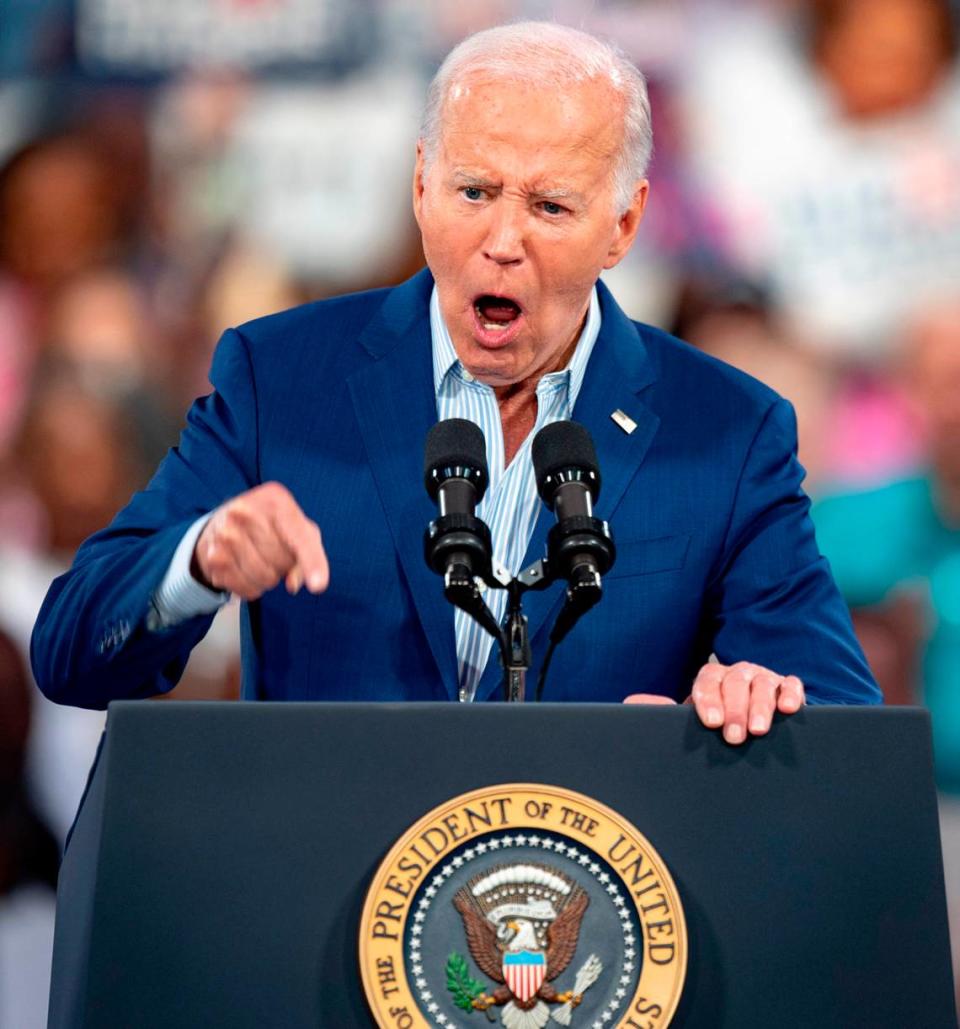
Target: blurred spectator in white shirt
<point>828,149</point>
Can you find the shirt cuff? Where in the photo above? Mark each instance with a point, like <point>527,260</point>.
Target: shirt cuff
<point>179,596</point>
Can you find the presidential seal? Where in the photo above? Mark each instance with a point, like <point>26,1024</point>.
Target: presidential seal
<point>523,906</point>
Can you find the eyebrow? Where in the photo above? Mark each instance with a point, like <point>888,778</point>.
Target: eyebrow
<point>559,193</point>
<point>468,179</point>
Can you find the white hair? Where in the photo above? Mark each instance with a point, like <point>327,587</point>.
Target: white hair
<point>553,56</point>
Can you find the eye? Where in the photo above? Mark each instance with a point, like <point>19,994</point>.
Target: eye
<point>473,193</point>
<point>552,208</point>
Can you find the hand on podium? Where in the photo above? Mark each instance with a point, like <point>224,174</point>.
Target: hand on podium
<point>737,698</point>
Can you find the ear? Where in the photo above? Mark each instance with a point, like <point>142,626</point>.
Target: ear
<point>418,182</point>
<point>627,225</point>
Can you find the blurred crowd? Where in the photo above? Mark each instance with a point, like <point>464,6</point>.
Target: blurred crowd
<point>170,169</point>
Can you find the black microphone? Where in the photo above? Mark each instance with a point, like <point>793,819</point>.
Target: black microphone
<point>568,480</point>
<point>456,477</point>
<point>579,546</point>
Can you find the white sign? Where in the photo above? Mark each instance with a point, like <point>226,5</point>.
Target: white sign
<point>159,35</point>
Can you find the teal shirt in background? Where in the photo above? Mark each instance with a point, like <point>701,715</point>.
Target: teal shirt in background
<point>891,539</point>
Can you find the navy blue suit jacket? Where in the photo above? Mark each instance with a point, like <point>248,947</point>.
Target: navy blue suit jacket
<point>716,551</point>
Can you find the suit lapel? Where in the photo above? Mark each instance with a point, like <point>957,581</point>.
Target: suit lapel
<point>620,368</point>
<point>395,405</point>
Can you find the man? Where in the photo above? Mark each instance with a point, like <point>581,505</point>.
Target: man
<point>529,182</point>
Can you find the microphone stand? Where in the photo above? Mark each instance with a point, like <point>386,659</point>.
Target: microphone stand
<point>515,652</point>
<point>512,635</point>
<point>515,655</point>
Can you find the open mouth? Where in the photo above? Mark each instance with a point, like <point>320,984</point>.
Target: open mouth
<point>496,314</point>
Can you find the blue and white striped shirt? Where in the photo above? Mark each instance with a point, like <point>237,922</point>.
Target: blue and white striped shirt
<point>511,504</point>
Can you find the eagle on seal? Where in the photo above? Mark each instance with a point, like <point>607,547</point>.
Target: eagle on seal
<point>507,949</point>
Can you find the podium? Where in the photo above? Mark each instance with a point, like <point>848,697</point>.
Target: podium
<point>217,870</point>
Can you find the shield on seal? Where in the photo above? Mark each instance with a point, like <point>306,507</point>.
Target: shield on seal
<point>524,971</point>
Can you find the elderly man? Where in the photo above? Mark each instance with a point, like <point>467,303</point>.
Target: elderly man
<point>529,182</point>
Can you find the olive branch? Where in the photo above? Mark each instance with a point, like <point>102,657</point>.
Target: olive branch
<point>460,984</point>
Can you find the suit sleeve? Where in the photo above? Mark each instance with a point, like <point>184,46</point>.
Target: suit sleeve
<point>773,600</point>
<point>91,644</point>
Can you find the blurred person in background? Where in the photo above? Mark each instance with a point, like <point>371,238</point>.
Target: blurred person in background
<point>882,57</point>
<point>827,147</point>
<point>29,857</point>
<point>197,182</point>
<point>734,321</point>
<point>98,332</point>
<point>245,282</point>
<point>59,216</point>
<point>78,457</point>
<point>897,546</point>
<point>825,142</point>
<point>59,212</point>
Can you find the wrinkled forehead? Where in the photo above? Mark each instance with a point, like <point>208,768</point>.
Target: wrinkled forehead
<point>571,113</point>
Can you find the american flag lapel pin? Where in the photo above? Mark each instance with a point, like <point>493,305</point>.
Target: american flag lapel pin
<point>624,421</point>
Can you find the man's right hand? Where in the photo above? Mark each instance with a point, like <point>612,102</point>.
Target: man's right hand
<point>252,542</point>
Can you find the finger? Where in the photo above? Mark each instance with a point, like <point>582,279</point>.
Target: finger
<point>303,538</point>
<point>792,696</point>
<point>648,698</point>
<point>736,689</point>
<point>294,579</point>
<point>763,701</point>
<point>706,695</point>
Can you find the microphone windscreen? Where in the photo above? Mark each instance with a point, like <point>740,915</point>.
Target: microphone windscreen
<point>455,443</point>
<point>561,446</point>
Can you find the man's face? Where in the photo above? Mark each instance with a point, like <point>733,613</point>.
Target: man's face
<point>518,217</point>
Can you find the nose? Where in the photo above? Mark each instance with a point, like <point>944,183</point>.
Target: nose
<point>504,243</point>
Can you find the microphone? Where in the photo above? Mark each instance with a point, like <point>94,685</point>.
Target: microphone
<point>568,481</point>
<point>579,545</point>
<point>457,544</point>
